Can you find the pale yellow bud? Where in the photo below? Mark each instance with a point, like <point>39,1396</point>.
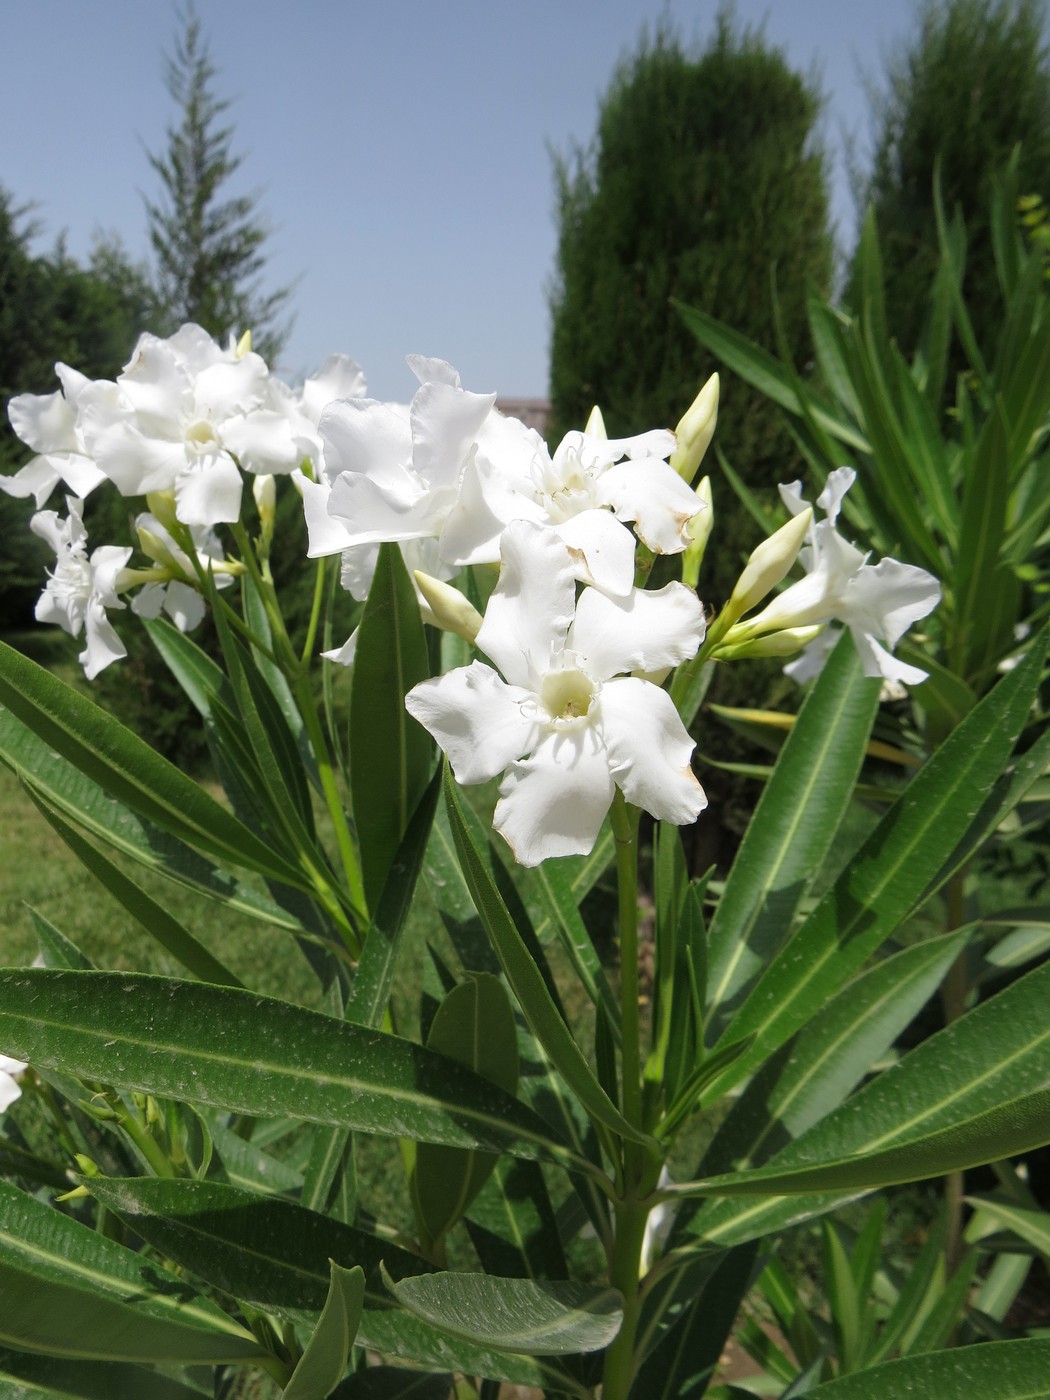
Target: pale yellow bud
<point>452,612</point>
<point>768,564</point>
<point>700,528</point>
<point>264,489</point>
<point>244,345</point>
<point>695,431</point>
<point>161,505</point>
<point>785,643</point>
<point>596,425</point>
<point>153,547</point>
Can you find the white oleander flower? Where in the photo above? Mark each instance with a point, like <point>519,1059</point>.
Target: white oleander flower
<point>566,723</point>
<point>877,602</point>
<point>80,589</point>
<point>184,414</point>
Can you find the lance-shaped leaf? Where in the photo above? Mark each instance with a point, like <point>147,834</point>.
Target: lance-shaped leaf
<point>125,765</point>
<point>890,873</point>
<point>93,810</point>
<point>151,916</point>
<point>1032,1226</point>
<point>515,1314</point>
<point>475,1026</point>
<point>994,1371</point>
<point>68,1291</point>
<point>793,825</point>
<point>390,752</point>
<point>323,1363</point>
<point>513,1226</point>
<point>24,1376</point>
<point>253,1054</point>
<point>526,981</point>
<point>977,1091</point>
<point>268,1252</point>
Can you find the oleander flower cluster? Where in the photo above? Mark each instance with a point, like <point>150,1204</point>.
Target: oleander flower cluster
<point>566,701</point>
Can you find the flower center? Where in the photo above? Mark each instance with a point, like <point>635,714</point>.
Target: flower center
<point>201,437</point>
<point>566,695</point>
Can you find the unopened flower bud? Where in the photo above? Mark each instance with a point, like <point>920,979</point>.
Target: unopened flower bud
<point>700,528</point>
<point>452,612</point>
<point>244,345</point>
<point>785,643</point>
<point>768,564</point>
<point>155,548</point>
<point>161,505</point>
<point>695,431</point>
<point>596,425</point>
<point>264,489</point>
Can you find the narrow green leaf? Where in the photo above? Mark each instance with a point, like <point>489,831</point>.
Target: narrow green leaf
<point>513,1314</point>
<point>390,753</point>
<point>994,1371</point>
<point>151,916</point>
<point>1032,1226</point>
<point>68,1291</point>
<point>526,981</point>
<point>323,1363</point>
<point>977,1091</point>
<point>24,1376</point>
<point>93,810</point>
<point>474,1025</point>
<point>257,1055</point>
<point>795,820</point>
<point>512,1224</point>
<point>890,873</point>
<point>124,765</point>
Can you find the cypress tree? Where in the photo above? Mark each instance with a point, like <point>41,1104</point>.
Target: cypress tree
<point>704,174</point>
<point>973,82</point>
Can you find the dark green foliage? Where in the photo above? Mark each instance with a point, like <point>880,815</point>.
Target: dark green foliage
<point>973,82</point>
<point>704,174</point>
<point>209,251</point>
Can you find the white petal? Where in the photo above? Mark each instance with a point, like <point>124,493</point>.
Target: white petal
<point>79,473</point>
<point>326,534</point>
<point>791,495</point>
<point>531,607</point>
<point>431,371</point>
<point>373,511</point>
<point>602,548</point>
<point>655,497</point>
<point>471,531</point>
<point>208,492</point>
<point>649,750</point>
<point>886,598</point>
<point>44,422</point>
<point>877,661</point>
<point>362,436</point>
<point>445,425</point>
<point>37,478</point>
<point>149,600</point>
<point>227,389</point>
<point>103,644</point>
<point>344,655</point>
<point>9,1091</point>
<point>554,803</point>
<point>645,631</point>
<point>482,723</point>
<point>262,442</point>
<point>184,605</point>
<point>838,483</point>
<point>339,377</point>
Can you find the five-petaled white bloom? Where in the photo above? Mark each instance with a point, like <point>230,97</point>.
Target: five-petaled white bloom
<point>567,722</point>
<point>80,589</point>
<point>877,602</point>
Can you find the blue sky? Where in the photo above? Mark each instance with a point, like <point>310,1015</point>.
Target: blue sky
<point>401,147</point>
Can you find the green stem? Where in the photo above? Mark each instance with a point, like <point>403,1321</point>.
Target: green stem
<point>625,833</point>
<point>315,615</point>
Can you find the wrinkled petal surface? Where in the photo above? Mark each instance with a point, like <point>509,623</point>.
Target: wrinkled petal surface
<point>649,750</point>
<point>643,632</point>
<point>554,803</point>
<point>482,723</point>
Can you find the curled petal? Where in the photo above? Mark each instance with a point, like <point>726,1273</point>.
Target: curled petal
<point>363,436</point>
<point>554,803</point>
<point>649,750</point>
<point>643,632</point>
<point>445,426</point>
<point>103,644</point>
<point>209,491</point>
<point>887,598</point>
<point>655,497</point>
<point>482,723</point>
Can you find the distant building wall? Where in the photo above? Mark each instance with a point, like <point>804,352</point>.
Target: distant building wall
<point>534,413</point>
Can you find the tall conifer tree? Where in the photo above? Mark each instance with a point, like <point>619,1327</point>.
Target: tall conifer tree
<point>209,250</point>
